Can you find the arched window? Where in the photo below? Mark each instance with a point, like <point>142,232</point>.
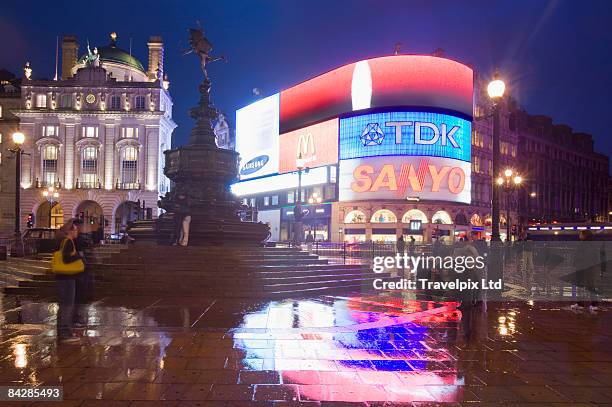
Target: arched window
<point>414,214</point>
<point>383,216</point>
<point>89,167</point>
<point>488,220</point>
<point>355,217</point>
<point>129,168</point>
<point>476,220</point>
<point>441,217</point>
<point>49,155</point>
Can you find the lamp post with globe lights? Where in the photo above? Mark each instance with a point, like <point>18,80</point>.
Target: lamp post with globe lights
<point>495,89</point>
<point>509,182</point>
<point>18,139</point>
<point>52,197</point>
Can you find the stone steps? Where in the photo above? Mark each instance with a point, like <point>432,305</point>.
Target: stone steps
<point>195,271</point>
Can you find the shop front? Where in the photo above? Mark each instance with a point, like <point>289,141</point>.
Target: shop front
<point>316,221</point>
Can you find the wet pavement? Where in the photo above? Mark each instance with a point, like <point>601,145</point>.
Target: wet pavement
<point>328,350</point>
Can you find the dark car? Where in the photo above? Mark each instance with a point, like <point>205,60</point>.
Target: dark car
<point>41,239</point>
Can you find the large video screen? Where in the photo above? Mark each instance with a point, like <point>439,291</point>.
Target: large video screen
<point>405,133</point>
<point>399,80</point>
<point>316,144</point>
<point>257,138</point>
<point>400,178</point>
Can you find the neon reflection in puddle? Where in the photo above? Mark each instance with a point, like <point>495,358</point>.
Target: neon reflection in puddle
<point>320,347</point>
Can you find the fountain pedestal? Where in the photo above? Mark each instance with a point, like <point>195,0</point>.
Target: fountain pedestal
<point>202,173</point>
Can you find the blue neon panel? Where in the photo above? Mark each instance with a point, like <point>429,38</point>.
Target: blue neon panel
<point>381,138</point>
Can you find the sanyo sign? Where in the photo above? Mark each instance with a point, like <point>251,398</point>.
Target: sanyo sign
<point>405,133</point>
<point>397,178</point>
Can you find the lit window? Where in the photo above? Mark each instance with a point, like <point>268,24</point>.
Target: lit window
<point>49,164</point>
<point>0,110</point>
<point>139,102</point>
<point>441,217</point>
<point>0,138</point>
<point>476,164</point>
<point>266,200</point>
<point>414,214</point>
<point>290,197</point>
<point>41,100</point>
<point>355,217</point>
<point>129,132</point>
<point>253,202</point>
<point>50,131</point>
<point>274,199</point>
<point>383,216</point>
<point>115,103</point>
<point>89,167</point>
<point>129,168</point>
<point>90,131</point>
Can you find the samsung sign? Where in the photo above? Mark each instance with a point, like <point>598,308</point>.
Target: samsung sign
<point>405,133</point>
<point>254,165</point>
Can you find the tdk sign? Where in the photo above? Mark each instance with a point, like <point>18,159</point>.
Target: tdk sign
<point>405,133</point>
<point>254,165</point>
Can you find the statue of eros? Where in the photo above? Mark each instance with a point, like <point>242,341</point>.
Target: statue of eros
<point>202,48</point>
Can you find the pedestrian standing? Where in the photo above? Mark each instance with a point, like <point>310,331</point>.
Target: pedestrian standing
<point>68,267</point>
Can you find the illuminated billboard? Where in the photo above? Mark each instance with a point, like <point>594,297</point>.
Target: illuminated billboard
<point>316,144</point>
<point>393,178</point>
<point>257,138</point>
<point>398,80</point>
<point>279,182</point>
<point>405,133</point>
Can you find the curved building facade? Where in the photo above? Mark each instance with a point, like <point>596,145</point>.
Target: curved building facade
<point>386,146</point>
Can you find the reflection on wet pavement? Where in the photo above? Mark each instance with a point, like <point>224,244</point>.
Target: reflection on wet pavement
<point>185,351</point>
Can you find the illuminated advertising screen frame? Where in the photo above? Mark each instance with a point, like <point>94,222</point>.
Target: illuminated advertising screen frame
<point>381,140</point>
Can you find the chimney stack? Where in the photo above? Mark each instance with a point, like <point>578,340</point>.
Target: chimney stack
<point>70,53</point>
<point>156,58</point>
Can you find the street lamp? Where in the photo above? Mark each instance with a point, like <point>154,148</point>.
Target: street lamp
<point>495,89</point>
<point>18,139</point>
<point>300,164</point>
<point>52,197</point>
<point>509,182</point>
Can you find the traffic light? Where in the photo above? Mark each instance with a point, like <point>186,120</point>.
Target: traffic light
<point>30,221</point>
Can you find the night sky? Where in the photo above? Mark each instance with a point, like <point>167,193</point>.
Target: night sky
<point>556,55</point>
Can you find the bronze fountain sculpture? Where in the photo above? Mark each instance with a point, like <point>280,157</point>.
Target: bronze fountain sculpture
<point>202,173</point>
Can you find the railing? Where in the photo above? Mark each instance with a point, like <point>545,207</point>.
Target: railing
<point>18,247</point>
<point>127,185</point>
<point>88,185</point>
<point>364,250</point>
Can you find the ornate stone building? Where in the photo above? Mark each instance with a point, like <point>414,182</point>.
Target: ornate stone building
<point>97,135</point>
<point>566,179</point>
<point>10,98</point>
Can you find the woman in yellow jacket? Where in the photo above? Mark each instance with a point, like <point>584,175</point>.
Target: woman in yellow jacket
<point>68,267</point>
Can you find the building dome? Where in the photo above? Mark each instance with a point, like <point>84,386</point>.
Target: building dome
<point>112,53</point>
<point>117,62</point>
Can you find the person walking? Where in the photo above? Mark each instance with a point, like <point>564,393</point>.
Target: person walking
<point>400,245</point>
<point>587,263</point>
<point>309,241</point>
<point>182,221</point>
<point>68,266</point>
